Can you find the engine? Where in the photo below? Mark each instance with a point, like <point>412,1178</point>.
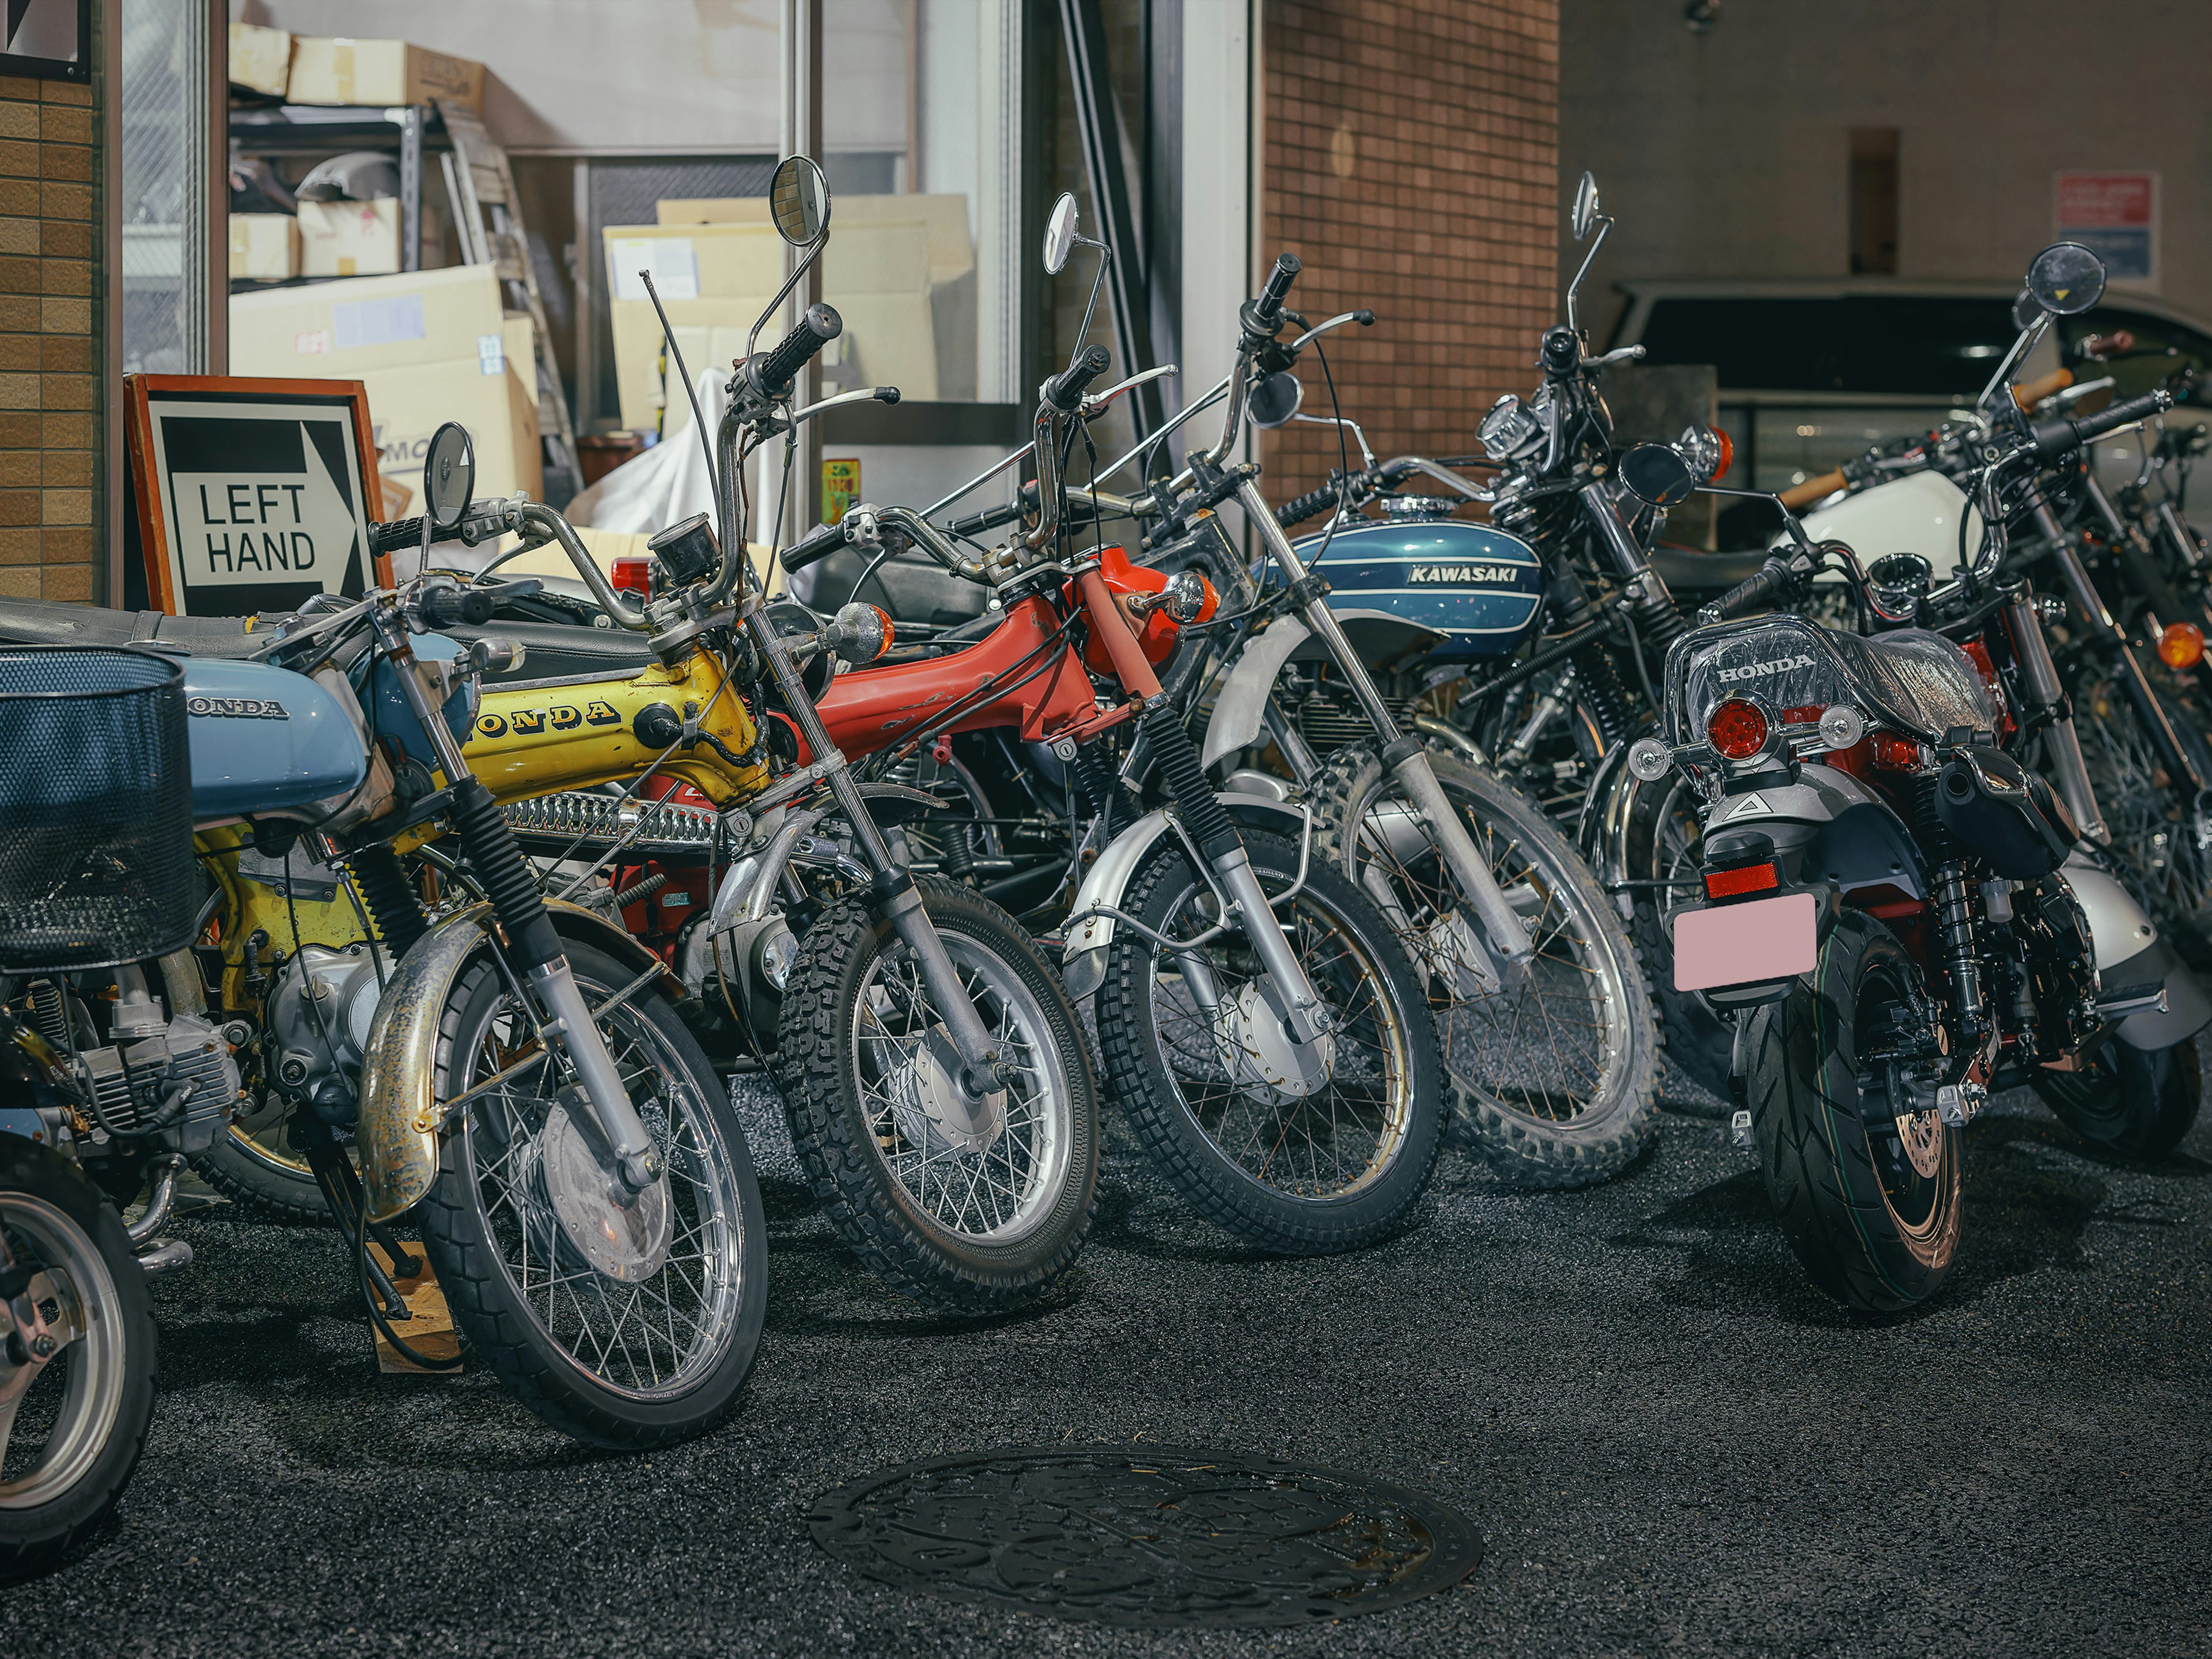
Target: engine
<point>173,1080</point>
<point>319,1018</point>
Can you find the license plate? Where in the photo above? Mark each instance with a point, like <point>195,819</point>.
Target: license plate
<point>1744,944</point>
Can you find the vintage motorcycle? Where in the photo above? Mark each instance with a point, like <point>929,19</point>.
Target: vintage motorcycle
<point>1896,912</point>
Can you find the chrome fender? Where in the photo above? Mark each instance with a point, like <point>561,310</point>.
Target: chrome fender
<point>1241,708</point>
<point>2130,951</point>
<point>398,1135</point>
<point>1083,959</point>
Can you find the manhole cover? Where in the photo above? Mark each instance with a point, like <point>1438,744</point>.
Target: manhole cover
<point>1146,1535</point>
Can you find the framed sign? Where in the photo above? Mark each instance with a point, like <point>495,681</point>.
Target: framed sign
<point>252,495</point>
<point>48,39</point>
<point>2114,215</point>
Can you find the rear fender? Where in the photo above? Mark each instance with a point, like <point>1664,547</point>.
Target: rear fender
<point>2130,952</point>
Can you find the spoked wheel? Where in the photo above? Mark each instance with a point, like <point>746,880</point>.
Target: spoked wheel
<point>972,1205</point>
<point>1869,1202</point>
<point>627,1326</point>
<point>1297,1148</point>
<point>2136,1102</point>
<point>77,1378</point>
<point>1556,1075</point>
<point>2161,832</point>
<point>253,1164</point>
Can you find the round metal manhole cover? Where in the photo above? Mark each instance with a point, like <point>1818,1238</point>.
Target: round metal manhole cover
<point>1146,1535</point>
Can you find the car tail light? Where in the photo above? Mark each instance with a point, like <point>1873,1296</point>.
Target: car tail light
<point>2181,645</point>
<point>1753,878</point>
<point>633,572</point>
<point>1736,729</point>
<point>1728,456</point>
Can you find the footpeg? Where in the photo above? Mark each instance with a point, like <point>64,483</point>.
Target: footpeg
<point>2132,1000</point>
<point>1739,1130</point>
<point>1956,1103</point>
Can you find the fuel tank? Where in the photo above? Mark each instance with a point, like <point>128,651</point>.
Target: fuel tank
<point>1474,584</point>
<point>266,739</point>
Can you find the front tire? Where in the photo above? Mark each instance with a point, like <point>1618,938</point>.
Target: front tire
<point>907,1177</point>
<point>2135,1103</point>
<point>1871,1209</point>
<point>1334,1170</point>
<point>71,1430</point>
<point>624,1351</point>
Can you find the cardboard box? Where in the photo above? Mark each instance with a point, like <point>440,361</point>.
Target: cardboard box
<point>431,346</point>
<point>350,239</point>
<point>261,59</point>
<point>264,247</point>
<point>338,69</point>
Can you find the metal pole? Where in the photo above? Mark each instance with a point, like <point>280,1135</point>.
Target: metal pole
<point>802,136</point>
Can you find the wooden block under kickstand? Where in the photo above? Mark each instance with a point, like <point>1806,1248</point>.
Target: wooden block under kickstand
<point>429,1328</point>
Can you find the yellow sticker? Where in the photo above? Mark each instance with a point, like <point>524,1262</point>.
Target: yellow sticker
<point>841,487</point>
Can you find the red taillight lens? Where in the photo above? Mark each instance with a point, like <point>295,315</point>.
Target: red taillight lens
<point>1737,729</point>
<point>1728,456</point>
<point>2181,645</point>
<point>1727,884</point>
<point>633,572</point>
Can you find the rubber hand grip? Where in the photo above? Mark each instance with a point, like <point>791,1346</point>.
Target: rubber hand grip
<point>1812,491</point>
<point>815,545</point>
<point>451,607</point>
<point>1322,500</point>
<point>1758,589</point>
<point>820,326</point>
<point>1065,391</point>
<point>2028,393</point>
<point>1277,288</point>
<point>992,517</point>
<point>392,538</point>
<point>2056,437</point>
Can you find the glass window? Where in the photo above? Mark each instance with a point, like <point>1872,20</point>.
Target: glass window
<point>162,175</point>
<point>1917,345</point>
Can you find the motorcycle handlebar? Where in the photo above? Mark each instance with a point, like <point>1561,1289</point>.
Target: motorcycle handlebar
<point>1763,586</point>
<point>2028,393</point>
<point>391,538</point>
<point>454,607</point>
<point>820,326</point>
<point>1268,309</point>
<point>1064,392</point>
<point>2056,437</point>
<point>1812,490</point>
<point>816,544</point>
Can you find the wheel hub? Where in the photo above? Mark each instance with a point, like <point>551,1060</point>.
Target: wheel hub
<point>931,1109</point>
<point>1922,1133</point>
<point>628,1244</point>
<point>1262,1057</point>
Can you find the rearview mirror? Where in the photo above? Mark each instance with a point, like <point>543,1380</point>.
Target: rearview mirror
<point>2066,279</point>
<point>1585,209</point>
<point>1275,399</point>
<point>1656,475</point>
<point>799,200</point>
<point>449,477</point>
<point>2025,310</point>
<point>1059,234</point>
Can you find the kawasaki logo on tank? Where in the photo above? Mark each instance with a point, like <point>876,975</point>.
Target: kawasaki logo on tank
<point>1464,573</point>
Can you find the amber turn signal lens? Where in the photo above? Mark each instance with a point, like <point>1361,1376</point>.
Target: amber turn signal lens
<point>1728,456</point>
<point>2181,645</point>
<point>1737,729</point>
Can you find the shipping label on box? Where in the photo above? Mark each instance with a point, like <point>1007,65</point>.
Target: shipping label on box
<point>349,238</point>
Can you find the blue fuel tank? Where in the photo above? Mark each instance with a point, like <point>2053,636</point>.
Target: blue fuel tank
<point>266,739</point>
<point>1477,586</point>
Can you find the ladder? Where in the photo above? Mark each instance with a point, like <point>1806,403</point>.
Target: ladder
<point>488,214</point>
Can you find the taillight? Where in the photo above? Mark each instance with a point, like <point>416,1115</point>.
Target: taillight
<point>1728,456</point>
<point>1754,879</point>
<point>1736,729</point>
<point>1894,754</point>
<point>2181,645</point>
<point>633,572</point>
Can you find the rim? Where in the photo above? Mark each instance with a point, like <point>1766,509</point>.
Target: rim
<point>2153,834</point>
<point>1913,1152</point>
<point>1003,1187</point>
<point>649,1339</point>
<point>1341,1137</point>
<point>55,1423</point>
<point>1552,1050</point>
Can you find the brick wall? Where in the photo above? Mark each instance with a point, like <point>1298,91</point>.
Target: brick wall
<point>50,366</point>
<point>1411,163</point>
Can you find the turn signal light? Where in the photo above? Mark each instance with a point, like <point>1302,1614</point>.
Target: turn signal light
<point>2181,645</point>
<point>1755,879</point>
<point>633,572</point>
<point>1728,456</point>
<point>1736,729</point>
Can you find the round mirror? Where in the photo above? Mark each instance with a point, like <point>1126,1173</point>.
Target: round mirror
<point>1585,209</point>
<point>1275,399</point>
<point>1657,474</point>
<point>799,199</point>
<point>1059,234</point>
<point>2066,279</point>
<point>449,476</point>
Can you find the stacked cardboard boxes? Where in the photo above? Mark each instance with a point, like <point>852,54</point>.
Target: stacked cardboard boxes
<point>431,346</point>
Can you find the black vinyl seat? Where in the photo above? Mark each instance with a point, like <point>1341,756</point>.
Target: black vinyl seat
<point>51,622</point>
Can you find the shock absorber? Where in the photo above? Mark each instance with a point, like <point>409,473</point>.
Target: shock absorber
<point>1602,691</point>
<point>1203,815</point>
<point>1098,783</point>
<point>1954,918</point>
<point>390,900</point>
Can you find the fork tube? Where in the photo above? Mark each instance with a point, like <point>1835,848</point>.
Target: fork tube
<point>1406,758</point>
<point>2032,651</point>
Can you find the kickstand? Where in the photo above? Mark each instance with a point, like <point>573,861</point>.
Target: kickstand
<point>335,1174</point>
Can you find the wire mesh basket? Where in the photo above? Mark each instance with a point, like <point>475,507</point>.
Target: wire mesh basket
<point>95,808</point>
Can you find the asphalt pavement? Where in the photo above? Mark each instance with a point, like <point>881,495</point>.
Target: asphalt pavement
<point>1669,1441</point>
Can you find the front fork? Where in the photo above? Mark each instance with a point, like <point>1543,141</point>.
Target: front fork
<point>1407,758</point>
<point>2032,651</point>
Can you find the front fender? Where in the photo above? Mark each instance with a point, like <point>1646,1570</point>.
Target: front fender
<point>398,1136</point>
<point>1083,959</point>
<point>1242,707</point>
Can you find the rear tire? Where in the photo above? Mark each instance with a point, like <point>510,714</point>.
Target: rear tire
<point>260,1174</point>
<point>1874,1218</point>
<point>1663,835</point>
<point>2135,1103</point>
<point>81,1421</point>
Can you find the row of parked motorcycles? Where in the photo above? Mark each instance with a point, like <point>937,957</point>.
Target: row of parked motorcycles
<point>1410,820</point>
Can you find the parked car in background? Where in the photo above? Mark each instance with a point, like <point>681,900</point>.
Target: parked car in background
<point>1812,372</point>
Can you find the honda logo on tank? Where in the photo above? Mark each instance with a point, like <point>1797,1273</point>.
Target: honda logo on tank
<point>2114,215</point>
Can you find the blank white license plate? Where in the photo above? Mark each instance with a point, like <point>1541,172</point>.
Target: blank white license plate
<point>1743,944</point>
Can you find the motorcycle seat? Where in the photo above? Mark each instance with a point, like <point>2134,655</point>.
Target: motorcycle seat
<point>51,622</point>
